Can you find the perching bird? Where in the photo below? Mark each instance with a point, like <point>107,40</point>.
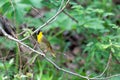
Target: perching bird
<point>44,43</point>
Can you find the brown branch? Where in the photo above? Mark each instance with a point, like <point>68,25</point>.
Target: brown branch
<point>47,22</point>
<point>105,78</point>
<point>56,66</point>
<point>18,41</point>
<point>109,60</point>
<point>70,16</point>
<point>41,53</point>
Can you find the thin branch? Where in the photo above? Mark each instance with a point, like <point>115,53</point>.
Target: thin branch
<point>109,59</point>
<point>18,41</point>
<point>62,2</point>
<point>70,16</point>
<point>67,13</point>
<point>61,69</point>
<point>61,5</point>
<point>51,19</point>
<point>41,53</point>
<point>21,33</point>
<point>57,67</point>
<point>105,78</point>
<point>12,5</point>
<point>47,22</point>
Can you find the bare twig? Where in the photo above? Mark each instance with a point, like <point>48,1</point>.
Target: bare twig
<point>21,33</point>
<point>76,74</point>
<point>66,12</point>
<point>105,78</point>
<point>12,4</point>
<point>18,41</point>
<point>47,22</point>
<point>56,66</point>
<point>41,53</point>
<point>62,2</point>
<point>51,19</point>
<point>70,16</point>
<point>109,59</point>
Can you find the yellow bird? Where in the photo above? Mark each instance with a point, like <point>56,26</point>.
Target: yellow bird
<point>44,43</point>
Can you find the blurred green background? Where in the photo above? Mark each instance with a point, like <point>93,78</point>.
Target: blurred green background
<point>83,36</point>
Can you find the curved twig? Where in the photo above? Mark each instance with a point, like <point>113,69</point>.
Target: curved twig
<point>47,22</point>
<point>109,59</point>
<point>41,53</point>
<point>56,66</point>
<point>105,78</point>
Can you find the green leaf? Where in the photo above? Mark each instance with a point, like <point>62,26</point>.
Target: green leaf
<point>91,10</point>
<point>11,61</point>
<point>90,43</point>
<point>6,7</point>
<point>65,22</point>
<point>94,23</point>
<point>108,14</point>
<point>105,46</point>
<point>36,3</point>
<point>20,10</point>
<point>2,2</point>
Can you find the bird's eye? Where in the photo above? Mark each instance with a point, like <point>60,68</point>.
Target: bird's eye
<point>38,31</point>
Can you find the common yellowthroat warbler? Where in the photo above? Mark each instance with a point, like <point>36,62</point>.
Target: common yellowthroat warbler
<point>44,43</point>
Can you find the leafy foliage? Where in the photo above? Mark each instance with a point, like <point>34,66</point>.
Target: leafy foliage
<point>90,40</point>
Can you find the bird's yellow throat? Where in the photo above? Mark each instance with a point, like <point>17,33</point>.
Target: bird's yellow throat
<point>39,37</point>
